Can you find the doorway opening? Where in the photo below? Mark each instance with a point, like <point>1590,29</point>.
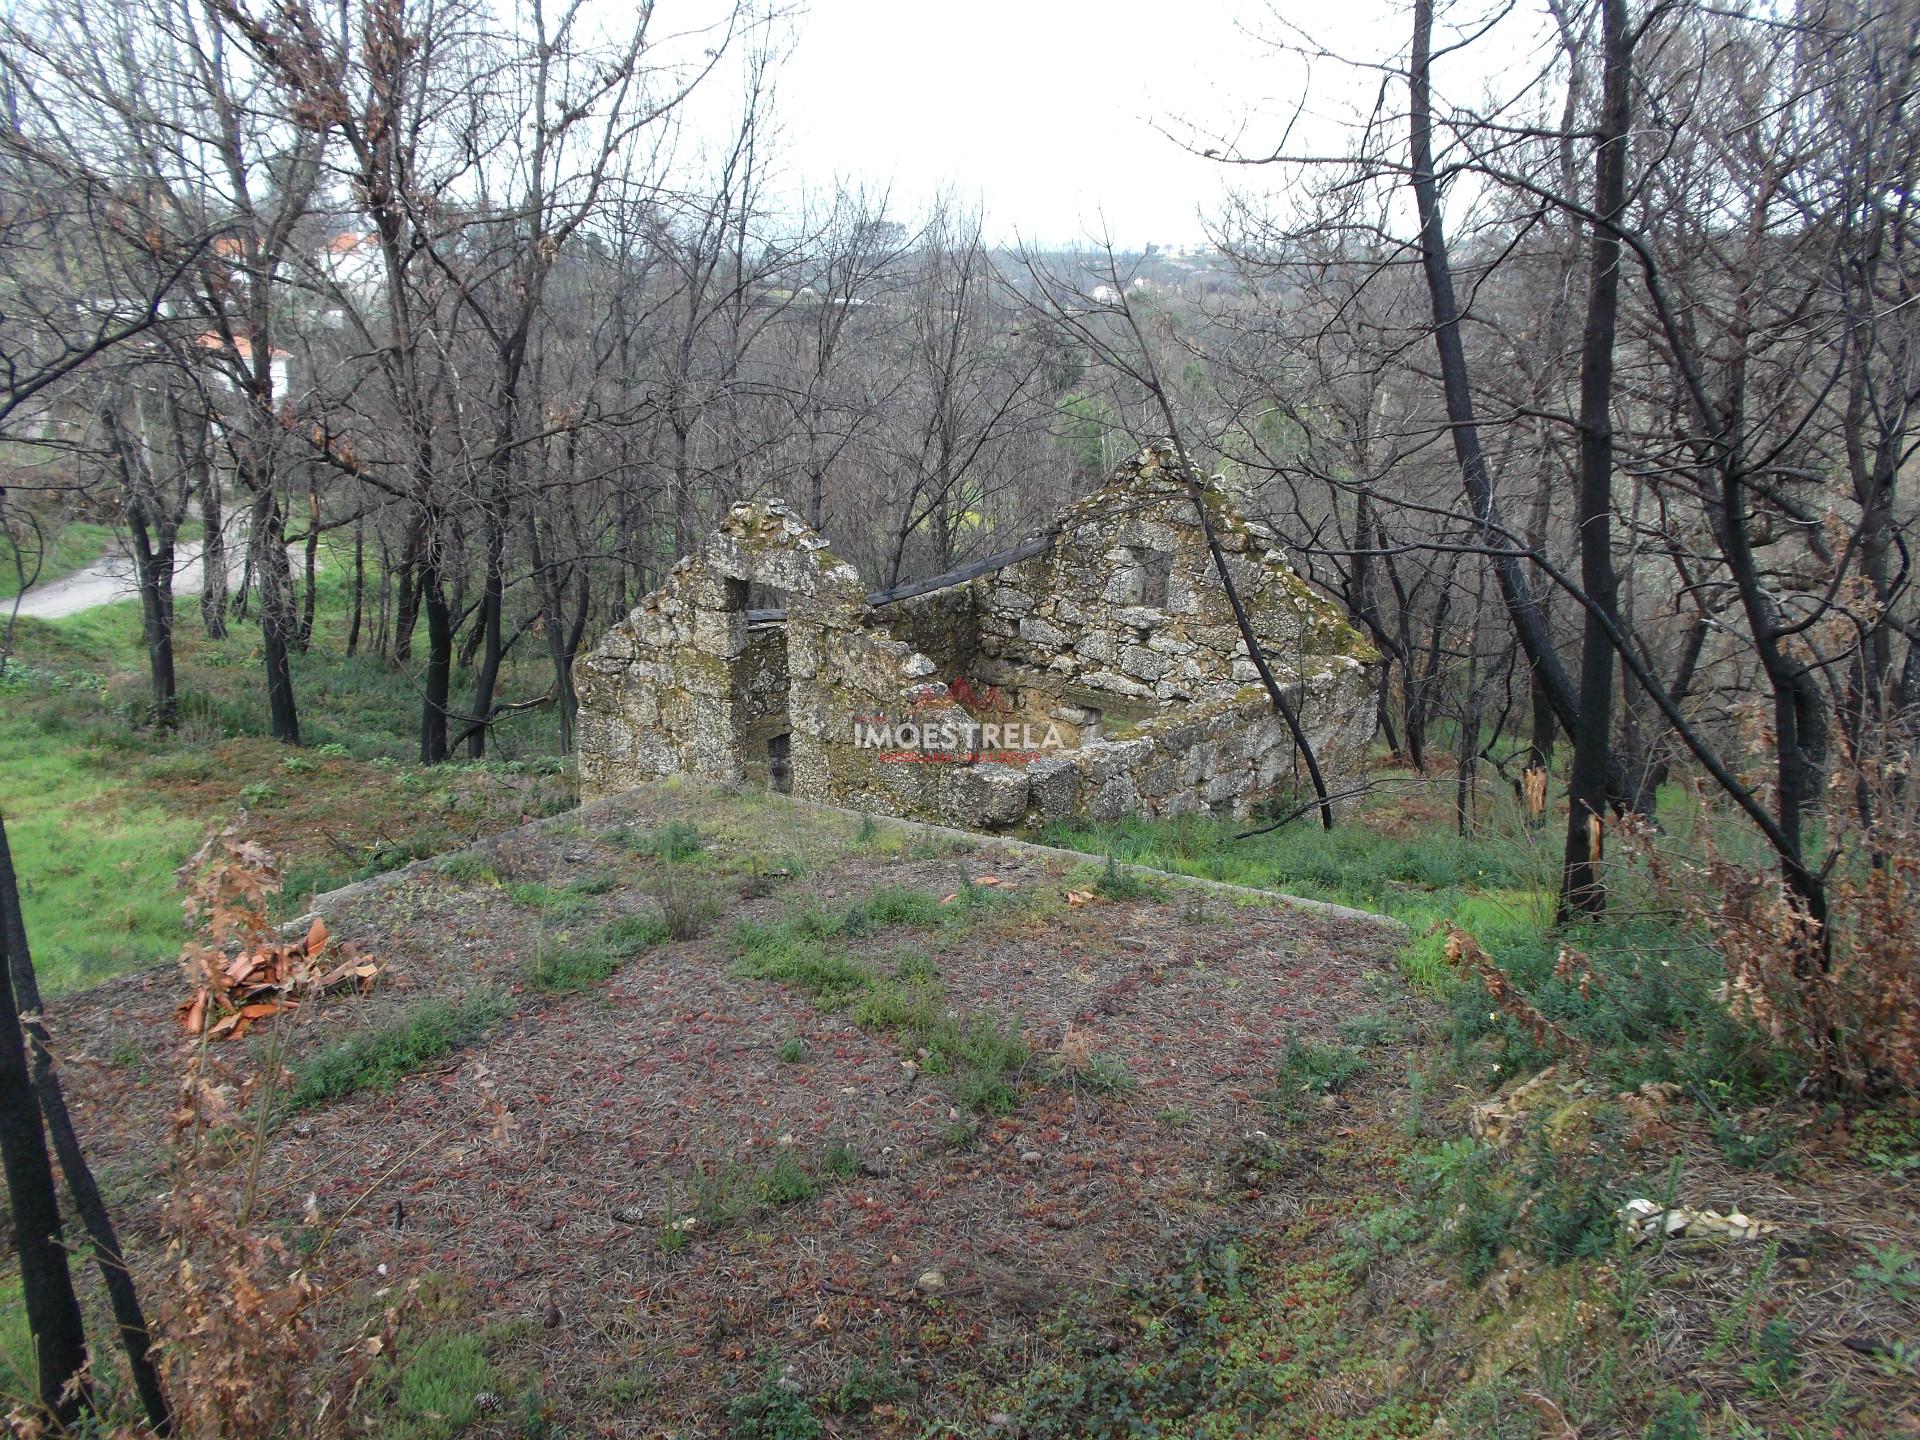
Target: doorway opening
<point>763,730</point>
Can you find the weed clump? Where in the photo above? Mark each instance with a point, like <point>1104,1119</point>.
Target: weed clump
<point>1311,1068</point>
<point>687,905</point>
<point>786,1181</point>
<point>567,968</point>
<point>379,1059</point>
<point>778,1410</point>
<point>799,950</point>
<point>469,868</point>
<point>674,841</point>
<point>1482,1202</point>
<point>1128,884</point>
<point>628,935</point>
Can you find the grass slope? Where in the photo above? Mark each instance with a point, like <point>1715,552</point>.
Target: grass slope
<point>102,808</point>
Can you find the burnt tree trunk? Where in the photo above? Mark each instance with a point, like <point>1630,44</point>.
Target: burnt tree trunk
<point>439,672</point>
<point>135,1337</point>
<point>213,540</point>
<point>406,611</point>
<point>153,564</point>
<point>1515,592</point>
<point>492,602</point>
<point>1582,890</point>
<point>46,1283</point>
<point>152,525</point>
<point>312,559</point>
<point>359,583</point>
<point>274,577</point>
<point>1467,756</point>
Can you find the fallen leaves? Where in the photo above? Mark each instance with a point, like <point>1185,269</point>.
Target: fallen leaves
<point>987,882</point>
<point>231,994</point>
<point>1553,1420</point>
<point>1075,1051</point>
<point>248,972</point>
<point>1501,1119</point>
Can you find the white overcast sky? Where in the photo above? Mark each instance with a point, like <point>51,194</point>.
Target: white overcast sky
<point>1062,120</point>
<point>1044,111</point>
<point>1039,109</point>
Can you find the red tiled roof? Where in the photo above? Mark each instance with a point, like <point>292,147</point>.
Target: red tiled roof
<point>242,346</point>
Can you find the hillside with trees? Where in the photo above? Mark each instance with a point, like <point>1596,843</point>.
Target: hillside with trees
<point>361,365</point>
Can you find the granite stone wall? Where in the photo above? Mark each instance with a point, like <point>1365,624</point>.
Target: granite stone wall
<point>1117,645</point>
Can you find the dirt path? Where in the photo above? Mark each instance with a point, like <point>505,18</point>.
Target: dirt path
<point>112,578</point>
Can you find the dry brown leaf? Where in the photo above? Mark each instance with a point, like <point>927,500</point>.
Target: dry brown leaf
<point>1553,1420</point>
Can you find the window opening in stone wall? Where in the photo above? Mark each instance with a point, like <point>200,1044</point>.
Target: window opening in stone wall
<point>1147,576</point>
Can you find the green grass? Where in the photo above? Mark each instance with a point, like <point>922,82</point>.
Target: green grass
<point>553,902</point>
<point>563,968</point>
<point>771,952</point>
<point>434,1387</point>
<point>676,840</point>
<point>364,704</point>
<point>630,934</point>
<point>1216,1354</point>
<point>903,905</point>
<point>101,810</point>
<point>19,1371</point>
<point>786,1181</point>
<point>1353,864</point>
<point>380,1059</point>
<point>94,851</point>
<point>119,1406</point>
<point>469,868</point>
<point>775,1411</point>
<point>1642,997</point>
<point>804,949</point>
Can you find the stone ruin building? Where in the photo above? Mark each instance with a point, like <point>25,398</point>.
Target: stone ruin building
<point>1093,671</point>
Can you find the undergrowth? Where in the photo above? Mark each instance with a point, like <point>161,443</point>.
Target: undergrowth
<point>103,807</point>
<point>378,1059</point>
<point>1233,1341</point>
<point>806,949</point>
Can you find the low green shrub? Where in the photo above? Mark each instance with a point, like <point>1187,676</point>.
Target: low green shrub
<point>778,1410</point>
<point>628,935</point>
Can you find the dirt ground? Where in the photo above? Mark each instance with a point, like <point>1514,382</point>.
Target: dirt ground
<point>540,1181</point>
